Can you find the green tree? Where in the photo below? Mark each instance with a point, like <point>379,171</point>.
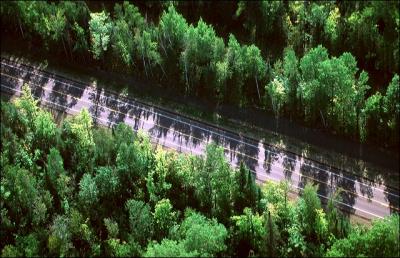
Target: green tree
<point>123,133</point>
<point>27,106</point>
<point>372,114</point>
<point>391,102</point>
<point>28,205</point>
<point>213,184</point>
<point>55,165</point>
<point>45,131</point>
<point>164,218</point>
<point>202,49</point>
<point>29,244</point>
<point>78,139</point>
<point>59,241</point>
<point>279,210</point>
<point>10,251</point>
<point>292,74</point>
<point>134,161</point>
<point>123,43</point>
<point>168,248</point>
<point>381,240</point>
<point>130,13</point>
<point>105,151</point>
<point>140,220</point>
<point>76,14</point>
<point>147,50</point>
<point>112,228</point>
<point>172,29</point>
<point>183,180</point>
<point>359,100</point>
<point>244,191</point>
<point>272,235</point>
<point>279,96</point>
<point>236,62</point>
<point>157,185</point>
<point>309,212</point>
<point>100,29</point>
<point>338,224</point>
<point>118,249</point>
<point>201,235</point>
<point>313,96</point>
<point>81,44</point>
<point>88,191</point>
<point>248,233</point>
<point>128,23</point>
<point>255,66</point>
<point>107,182</point>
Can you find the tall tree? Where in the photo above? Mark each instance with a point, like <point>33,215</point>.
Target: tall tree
<point>100,28</point>
<point>140,220</point>
<point>248,233</point>
<point>78,137</point>
<point>164,218</point>
<point>245,191</point>
<point>255,66</point>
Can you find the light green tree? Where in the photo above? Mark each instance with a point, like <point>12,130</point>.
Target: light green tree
<point>88,191</point>
<point>381,240</point>
<point>248,233</point>
<point>201,235</point>
<point>391,102</point>
<point>164,218</point>
<point>59,240</point>
<point>78,137</point>
<point>45,131</point>
<point>168,248</point>
<point>313,96</point>
<point>277,92</point>
<point>255,66</point>
<point>292,75</point>
<point>100,28</point>
<point>156,181</point>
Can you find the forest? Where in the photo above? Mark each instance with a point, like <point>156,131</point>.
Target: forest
<point>331,65</point>
<point>74,189</point>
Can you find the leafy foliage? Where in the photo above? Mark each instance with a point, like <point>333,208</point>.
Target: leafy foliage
<point>100,33</point>
<point>330,56</point>
<point>63,186</point>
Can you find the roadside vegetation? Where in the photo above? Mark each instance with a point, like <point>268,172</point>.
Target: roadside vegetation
<point>78,190</point>
<point>331,65</point>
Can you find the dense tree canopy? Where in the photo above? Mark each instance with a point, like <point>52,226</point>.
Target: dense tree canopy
<point>317,62</point>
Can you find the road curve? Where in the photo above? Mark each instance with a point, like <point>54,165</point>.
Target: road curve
<point>359,195</point>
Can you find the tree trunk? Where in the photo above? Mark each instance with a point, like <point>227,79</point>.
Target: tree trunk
<point>187,78</point>
<point>65,50</point>
<point>323,119</point>
<point>162,69</point>
<point>20,27</point>
<point>258,91</point>
<point>162,46</point>
<point>69,46</point>
<point>144,65</point>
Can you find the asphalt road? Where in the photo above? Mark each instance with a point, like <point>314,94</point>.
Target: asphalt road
<point>359,195</point>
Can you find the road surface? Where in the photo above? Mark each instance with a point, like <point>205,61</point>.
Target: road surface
<point>359,195</point>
